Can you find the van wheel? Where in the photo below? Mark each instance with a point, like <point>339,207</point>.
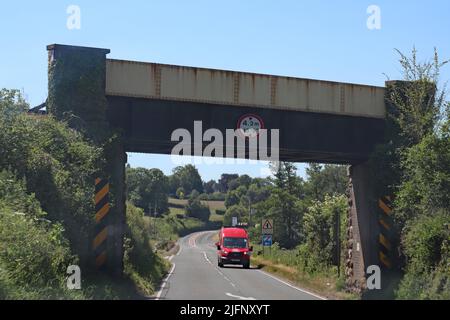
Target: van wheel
<point>246,265</point>
<point>219,263</point>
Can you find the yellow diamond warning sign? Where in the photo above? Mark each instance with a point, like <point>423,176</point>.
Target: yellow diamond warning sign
<point>267,226</point>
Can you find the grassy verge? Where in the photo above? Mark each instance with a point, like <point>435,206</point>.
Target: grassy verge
<point>34,256</point>
<point>143,266</point>
<point>177,205</point>
<point>285,265</point>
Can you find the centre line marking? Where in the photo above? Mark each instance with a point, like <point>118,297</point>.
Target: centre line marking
<point>239,297</point>
<point>206,258</point>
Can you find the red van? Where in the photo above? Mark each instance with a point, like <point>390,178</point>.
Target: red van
<point>233,247</point>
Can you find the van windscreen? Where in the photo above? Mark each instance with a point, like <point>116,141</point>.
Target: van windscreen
<point>234,243</point>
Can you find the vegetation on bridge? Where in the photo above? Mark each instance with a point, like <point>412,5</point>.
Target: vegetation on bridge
<point>414,166</point>
<point>46,212</point>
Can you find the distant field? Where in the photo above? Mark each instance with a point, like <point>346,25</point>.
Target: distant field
<point>177,202</point>
<point>174,211</point>
<point>213,205</point>
<point>176,207</point>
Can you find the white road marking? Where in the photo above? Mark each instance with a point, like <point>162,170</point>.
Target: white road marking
<point>293,287</point>
<point>231,282</point>
<point>158,295</point>
<point>220,272</point>
<point>239,297</point>
<point>193,239</point>
<point>206,257</point>
<point>191,242</point>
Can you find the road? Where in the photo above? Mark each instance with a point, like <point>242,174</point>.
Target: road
<point>196,276</point>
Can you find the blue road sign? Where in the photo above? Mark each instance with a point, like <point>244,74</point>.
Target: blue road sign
<point>267,240</point>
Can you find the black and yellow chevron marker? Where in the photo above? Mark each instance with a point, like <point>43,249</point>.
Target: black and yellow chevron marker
<point>99,243</point>
<point>386,226</point>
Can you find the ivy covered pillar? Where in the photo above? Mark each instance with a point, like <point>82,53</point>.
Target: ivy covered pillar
<point>373,232</point>
<point>76,95</point>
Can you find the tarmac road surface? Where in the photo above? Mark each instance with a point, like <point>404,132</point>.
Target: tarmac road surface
<point>196,276</point>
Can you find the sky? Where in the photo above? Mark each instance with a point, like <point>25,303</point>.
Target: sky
<point>320,39</point>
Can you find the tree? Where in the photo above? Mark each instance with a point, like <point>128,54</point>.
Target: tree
<point>283,204</point>
<point>233,184</point>
<point>244,180</point>
<point>147,189</point>
<point>196,209</point>
<point>188,178</point>
<point>286,211</point>
<point>232,198</point>
<point>257,194</point>
<point>173,184</point>
<point>210,187</point>
<point>416,153</point>
<point>418,101</point>
<point>319,231</point>
<point>426,244</point>
<point>12,103</point>
<point>415,107</point>
<point>225,179</point>
<point>425,187</point>
<point>325,180</point>
<point>235,211</point>
<point>285,177</point>
<point>194,194</point>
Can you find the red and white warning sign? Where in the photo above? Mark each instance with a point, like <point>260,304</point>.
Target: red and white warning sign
<point>267,226</point>
<point>250,124</point>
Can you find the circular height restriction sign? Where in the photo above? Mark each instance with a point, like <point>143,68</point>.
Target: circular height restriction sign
<point>250,124</point>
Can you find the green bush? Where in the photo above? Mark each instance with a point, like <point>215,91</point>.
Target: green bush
<point>426,244</point>
<point>195,209</point>
<point>13,194</point>
<point>46,212</point>
<point>142,264</point>
<point>282,256</point>
<point>426,184</point>
<point>319,250</point>
<point>34,254</point>
<point>217,196</point>
<point>59,166</point>
<point>203,197</point>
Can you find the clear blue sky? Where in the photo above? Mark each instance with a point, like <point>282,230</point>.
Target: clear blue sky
<point>311,39</point>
